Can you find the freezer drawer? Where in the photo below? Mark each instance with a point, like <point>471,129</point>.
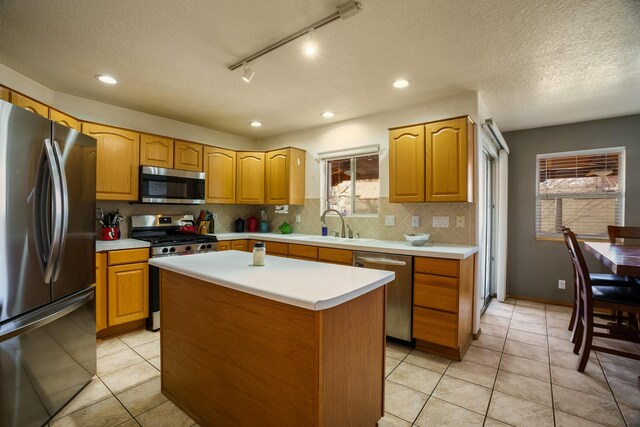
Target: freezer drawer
<point>46,358</point>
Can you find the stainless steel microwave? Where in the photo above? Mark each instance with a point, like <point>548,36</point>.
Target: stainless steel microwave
<point>160,185</point>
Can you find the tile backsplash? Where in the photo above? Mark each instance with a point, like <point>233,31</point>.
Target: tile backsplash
<point>367,227</point>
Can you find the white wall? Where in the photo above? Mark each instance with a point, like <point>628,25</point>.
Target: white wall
<point>94,111</point>
<point>366,131</point>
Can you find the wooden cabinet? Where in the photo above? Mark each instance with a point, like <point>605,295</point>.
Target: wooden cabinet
<point>4,93</point>
<point>101,291</point>
<point>239,245</point>
<point>335,256</point>
<point>250,178</point>
<point>188,156</point>
<point>449,160</point>
<point>224,246</point>
<point>285,175</point>
<point>117,162</point>
<point>443,305</point>
<point>29,104</point>
<point>220,175</point>
<point>306,252</point>
<point>156,151</point>
<point>406,165</point>
<point>127,286</point>
<point>432,162</point>
<point>64,119</point>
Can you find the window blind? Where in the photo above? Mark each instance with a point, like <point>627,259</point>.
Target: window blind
<point>582,190</point>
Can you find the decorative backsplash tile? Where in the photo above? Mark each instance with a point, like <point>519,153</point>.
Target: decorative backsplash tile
<point>367,227</point>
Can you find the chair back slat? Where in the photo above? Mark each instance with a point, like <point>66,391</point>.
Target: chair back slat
<point>617,232</point>
<point>580,266</point>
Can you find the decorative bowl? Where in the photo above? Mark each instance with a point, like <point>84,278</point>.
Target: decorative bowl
<point>417,239</point>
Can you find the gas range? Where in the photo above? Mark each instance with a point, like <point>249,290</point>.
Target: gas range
<point>166,238</point>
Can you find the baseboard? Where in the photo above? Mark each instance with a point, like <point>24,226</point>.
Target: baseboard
<point>121,329</point>
<point>541,300</point>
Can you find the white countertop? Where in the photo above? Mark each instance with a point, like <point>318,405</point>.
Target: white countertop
<point>386,246</point>
<point>305,284</point>
<point>115,245</point>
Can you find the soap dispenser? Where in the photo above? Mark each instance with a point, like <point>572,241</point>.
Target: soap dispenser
<point>325,230</point>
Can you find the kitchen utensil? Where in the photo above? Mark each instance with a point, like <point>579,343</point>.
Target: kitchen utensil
<point>239,223</point>
<point>285,228</point>
<point>252,224</point>
<point>417,239</point>
<point>188,228</point>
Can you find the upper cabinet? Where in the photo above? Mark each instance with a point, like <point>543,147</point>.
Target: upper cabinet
<point>64,119</point>
<point>156,151</point>
<point>250,178</point>
<point>220,175</point>
<point>187,156</point>
<point>29,104</point>
<point>432,162</point>
<point>406,165</point>
<point>285,174</point>
<point>117,162</point>
<point>4,93</point>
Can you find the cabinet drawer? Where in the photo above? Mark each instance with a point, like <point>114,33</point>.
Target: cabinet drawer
<point>239,245</point>
<point>277,248</point>
<point>336,256</point>
<point>303,251</point>
<point>435,327</point>
<point>437,292</point>
<point>438,266</point>
<point>224,246</point>
<point>128,256</point>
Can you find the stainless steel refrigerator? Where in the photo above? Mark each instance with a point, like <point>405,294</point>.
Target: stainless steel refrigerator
<point>47,266</point>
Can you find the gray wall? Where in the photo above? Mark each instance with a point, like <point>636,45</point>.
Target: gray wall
<point>534,267</point>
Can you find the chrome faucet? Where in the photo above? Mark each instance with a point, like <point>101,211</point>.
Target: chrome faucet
<point>350,232</point>
<point>324,214</point>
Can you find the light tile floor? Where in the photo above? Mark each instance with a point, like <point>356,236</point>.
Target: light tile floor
<point>521,371</point>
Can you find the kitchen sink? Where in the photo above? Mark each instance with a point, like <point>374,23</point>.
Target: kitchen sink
<point>332,239</point>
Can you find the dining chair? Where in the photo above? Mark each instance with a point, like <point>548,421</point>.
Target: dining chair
<point>618,232</point>
<point>621,299</point>
<point>597,279</point>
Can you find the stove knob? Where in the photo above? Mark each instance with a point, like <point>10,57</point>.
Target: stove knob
<point>172,249</point>
<point>165,250</point>
<point>208,246</point>
<point>188,248</point>
<point>203,247</point>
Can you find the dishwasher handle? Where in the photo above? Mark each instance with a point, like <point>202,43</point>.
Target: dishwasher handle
<point>381,261</point>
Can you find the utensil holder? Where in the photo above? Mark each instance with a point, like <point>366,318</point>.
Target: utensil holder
<point>110,233</point>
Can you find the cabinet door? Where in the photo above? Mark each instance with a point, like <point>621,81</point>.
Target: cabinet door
<point>4,93</point>
<point>117,162</point>
<point>449,166</point>
<point>435,327</point>
<point>29,104</point>
<point>406,165</point>
<point>101,291</point>
<point>156,151</point>
<point>250,178</point>
<point>64,119</point>
<point>277,177</point>
<point>224,246</point>
<point>220,175</point>
<point>128,290</point>
<point>239,245</point>
<point>188,156</point>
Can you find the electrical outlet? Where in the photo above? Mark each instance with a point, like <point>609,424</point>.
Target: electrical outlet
<point>297,217</point>
<point>460,221</point>
<point>440,221</point>
<point>214,216</point>
<point>562,284</point>
<point>389,220</point>
<point>415,220</point>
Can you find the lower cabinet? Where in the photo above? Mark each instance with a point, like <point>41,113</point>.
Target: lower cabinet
<point>305,252</point>
<point>224,246</point>
<point>443,305</point>
<point>335,256</point>
<point>122,287</point>
<point>239,245</point>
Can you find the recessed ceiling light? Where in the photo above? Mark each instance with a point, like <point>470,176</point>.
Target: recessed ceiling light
<point>327,114</point>
<point>256,124</point>
<point>106,79</point>
<point>401,83</point>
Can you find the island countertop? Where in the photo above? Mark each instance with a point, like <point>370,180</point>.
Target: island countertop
<point>305,284</point>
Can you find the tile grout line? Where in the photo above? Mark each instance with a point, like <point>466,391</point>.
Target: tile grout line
<point>495,380</point>
<point>553,402</point>
<point>624,419</point>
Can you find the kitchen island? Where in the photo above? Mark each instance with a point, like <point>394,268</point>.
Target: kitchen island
<point>288,344</point>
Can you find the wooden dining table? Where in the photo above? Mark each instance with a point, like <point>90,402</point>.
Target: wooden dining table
<point>623,260</point>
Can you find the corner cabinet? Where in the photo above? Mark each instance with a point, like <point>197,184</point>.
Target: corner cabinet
<point>285,175</point>
<point>432,162</point>
<point>156,151</point>
<point>187,156</point>
<point>220,175</point>
<point>117,162</point>
<point>29,104</point>
<point>443,305</point>
<point>250,178</point>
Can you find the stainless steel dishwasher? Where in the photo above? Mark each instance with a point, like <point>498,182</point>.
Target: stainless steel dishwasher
<point>399,291</point>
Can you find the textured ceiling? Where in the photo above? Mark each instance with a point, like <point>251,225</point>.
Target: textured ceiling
<point>535,63</point>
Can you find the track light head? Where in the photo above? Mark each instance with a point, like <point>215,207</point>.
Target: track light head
<point>310,46</point>
<point>248,73</point>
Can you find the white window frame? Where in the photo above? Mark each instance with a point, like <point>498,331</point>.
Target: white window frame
<point>621,186</point>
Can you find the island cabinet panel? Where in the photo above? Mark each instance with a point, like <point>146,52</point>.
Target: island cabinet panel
<point>250,178</point>
<point>29,104</point>
<point>443,305</point>
<point>64,119</point>
<point>156,151</point>
<point>335,256</point>
<point>284,176</point>
<point>406,165</point>
<point>101,291</point>
<point>117,162</point>
<point>187,156</point>
<point>220,175</point>
<point>128,293</point>
<point>305,252</point>
<point>231,358</point>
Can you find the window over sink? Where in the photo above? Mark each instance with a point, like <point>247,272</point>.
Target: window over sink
<point>353,184</point>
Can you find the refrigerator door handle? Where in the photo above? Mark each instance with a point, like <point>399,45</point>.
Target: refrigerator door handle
<point>57,208</point>
<point>64,207</point>
<point>50,314</point>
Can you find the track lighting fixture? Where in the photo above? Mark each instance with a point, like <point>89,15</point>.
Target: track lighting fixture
<point>310,46</point>
<point>248,73</point>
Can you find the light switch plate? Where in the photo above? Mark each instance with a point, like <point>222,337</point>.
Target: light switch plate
<point>389,220</point>
<point>415,220</point>
<point>297,217</point>
<point>460,221</point>
<point>440,221</point>
<point>214,216</point>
